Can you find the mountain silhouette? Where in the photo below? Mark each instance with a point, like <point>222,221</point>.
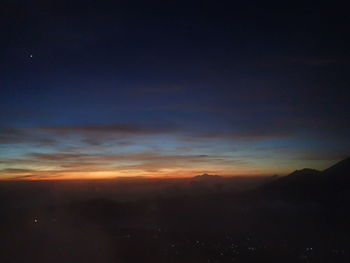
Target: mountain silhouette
<point>342,167</point>
<point>207,177</point>
<point>331,184</point>
<point>305,172</point>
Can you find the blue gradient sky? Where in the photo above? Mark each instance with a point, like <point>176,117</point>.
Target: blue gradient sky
<point>172,89</point>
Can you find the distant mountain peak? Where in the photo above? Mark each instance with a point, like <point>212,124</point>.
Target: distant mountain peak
<point>207,176</point>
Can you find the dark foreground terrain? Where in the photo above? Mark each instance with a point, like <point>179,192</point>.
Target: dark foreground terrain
<point>303,217</point>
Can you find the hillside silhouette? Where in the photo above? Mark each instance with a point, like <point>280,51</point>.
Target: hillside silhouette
<point>329,185</point>
<point>207,177</point>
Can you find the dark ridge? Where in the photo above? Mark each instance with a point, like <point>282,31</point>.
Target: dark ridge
<point>305,185</point>
<point>340,167</point>
<point>208,176</point>
<point>305,172</point>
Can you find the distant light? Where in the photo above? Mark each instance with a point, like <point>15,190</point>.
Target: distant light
<point>35,220</point>
<point>31,55</point>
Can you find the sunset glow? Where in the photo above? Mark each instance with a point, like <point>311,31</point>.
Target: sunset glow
<point>90,152</point>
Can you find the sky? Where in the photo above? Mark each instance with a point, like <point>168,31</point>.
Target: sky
<point>105,89</point>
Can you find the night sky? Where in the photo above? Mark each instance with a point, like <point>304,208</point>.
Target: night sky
<point>95,89</point>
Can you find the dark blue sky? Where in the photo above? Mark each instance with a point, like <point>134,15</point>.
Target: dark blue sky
<point>172,87</point>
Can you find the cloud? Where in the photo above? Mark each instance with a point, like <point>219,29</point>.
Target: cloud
<point>118,128</point>
<point>149,157</point>
<point>139,149</point>
<point>243,136</point>
<point>22,177</point>
<point>25,135</point>
<point>88,134</point>
<point>16,170</point>
<point>57,156</point>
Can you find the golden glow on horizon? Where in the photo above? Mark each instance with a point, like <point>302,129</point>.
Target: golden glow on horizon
<point>66,166</point>
<point>75,154</point>
<point>111,174</point>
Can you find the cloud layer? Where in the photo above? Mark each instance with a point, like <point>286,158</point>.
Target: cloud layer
<point>105,151</point>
